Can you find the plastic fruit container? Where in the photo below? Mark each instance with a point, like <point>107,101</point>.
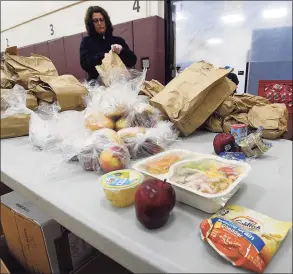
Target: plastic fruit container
<point>206,202</point>
<point>120,186</point>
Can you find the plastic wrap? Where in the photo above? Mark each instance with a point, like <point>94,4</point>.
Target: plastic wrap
<point>209,181</point>
<point>49,128</point>
<point>101,151</point>
<point>42,132</point>
<point>144,142</point>
<point>139,114</point>
<point>14,102</point>
<point>105,105</point>
<point>253,145</point>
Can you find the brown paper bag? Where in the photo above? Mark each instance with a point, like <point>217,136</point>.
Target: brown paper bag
<point>23,68</point>
<point>151,88</point>
<point>66,89</point>
<point>233,119</point>
<point>191,97</point>
<point>240,103</point>
<point>111,67</point>
<point>273,118</point>
<point>214,123</point>
<point>31,100</point>
<point>6,80</point>
<point>15,125</point>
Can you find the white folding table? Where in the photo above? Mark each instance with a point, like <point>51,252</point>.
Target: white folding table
<point>76,200</point>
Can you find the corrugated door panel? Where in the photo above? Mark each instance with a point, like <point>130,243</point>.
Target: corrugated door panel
<point>125,30</point>
<point>42,49</point>
<point>148,34</point>
<point>71,45</point>
<point>27,51</point>
<point>57,55</point>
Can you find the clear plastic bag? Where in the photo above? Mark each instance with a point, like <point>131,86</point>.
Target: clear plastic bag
<point>42,134</point>
<point>139,114</point>
<point>107,104</point>
<point>14,102</point>
<point>143,142</point>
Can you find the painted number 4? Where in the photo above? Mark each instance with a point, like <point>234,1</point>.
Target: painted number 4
<point>136,5</point>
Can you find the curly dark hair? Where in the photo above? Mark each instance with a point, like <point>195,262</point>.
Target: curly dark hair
<point>89,22</point>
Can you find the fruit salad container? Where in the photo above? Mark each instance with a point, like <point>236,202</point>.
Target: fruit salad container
<point>120,186</point>
<point>203,181</point>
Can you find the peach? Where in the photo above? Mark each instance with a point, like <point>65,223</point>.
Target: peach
<point>98,121</point>
<point>122,123</point>
<point>114,158</point>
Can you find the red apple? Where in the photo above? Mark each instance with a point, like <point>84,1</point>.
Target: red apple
<point>154,201</point>
<point>224,142</point>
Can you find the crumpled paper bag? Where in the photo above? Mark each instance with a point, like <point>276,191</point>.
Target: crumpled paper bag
<point>190,98</point>
<point>273,118</point>
<point>65,89</point>
<point>112,69</point>
<point>233,119</point>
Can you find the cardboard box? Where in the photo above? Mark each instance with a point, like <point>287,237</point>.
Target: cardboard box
<point>38,242</point>
<point>8,264</point>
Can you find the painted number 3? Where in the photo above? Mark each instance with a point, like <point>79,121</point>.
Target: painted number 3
<point>52,29</point>
<point>136,5</point>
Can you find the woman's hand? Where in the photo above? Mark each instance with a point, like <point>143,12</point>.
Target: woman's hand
<point>116,48</point>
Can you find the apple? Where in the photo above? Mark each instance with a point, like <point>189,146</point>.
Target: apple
<point>154,201</point>
<point>114,158</point>
<point>224,142</point>
<point>98,121</point>
<point>122,123</point>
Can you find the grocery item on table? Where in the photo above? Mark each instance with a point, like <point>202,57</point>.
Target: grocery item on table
<point>140,114</point>
<point>224,142</point>
<point>221,176</point>
<point>210,176</point>
<point>98,120</point>
<point>120,186</point>
<point>238,156</point>
<point>88,158</point>
<point>142,142</point>
<point>15,115</point>
<point>239,131</point>
<point>160,164</point>
<point>154,201</point>
<point>272,117</point>
<point>245,238</point>
<point>191,97</point>
<point>253,145</point>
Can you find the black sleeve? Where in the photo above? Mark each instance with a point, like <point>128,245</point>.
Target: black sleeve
<point>127,56</point>
<point>88,61</point>
<point>235,79</point>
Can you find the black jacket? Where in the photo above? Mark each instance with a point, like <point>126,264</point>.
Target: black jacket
<point>93,49</point>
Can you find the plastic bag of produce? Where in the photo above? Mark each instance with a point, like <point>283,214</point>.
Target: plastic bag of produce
<point>139,114</point>
<point>243,237</point>
<point>15,115</point>
<point>143,142</point>
<point>42,133</point>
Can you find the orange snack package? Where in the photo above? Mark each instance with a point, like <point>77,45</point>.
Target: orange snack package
<point>245,238</point>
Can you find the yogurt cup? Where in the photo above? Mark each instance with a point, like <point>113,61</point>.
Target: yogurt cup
<point>120,186</point>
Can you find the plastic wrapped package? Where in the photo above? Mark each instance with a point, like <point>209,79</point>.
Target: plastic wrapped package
<point>253,145</point>
<point>42,133</point>
<point>15,115</point>
<point>202,181</point>
<point>140,114</point>
<point>144,142</point>
<point>107,104</point>
<point>244,237</point>
<point>14,102</point>
<point>102,150</point>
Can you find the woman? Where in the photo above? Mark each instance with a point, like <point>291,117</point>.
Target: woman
<point>100,40</point>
